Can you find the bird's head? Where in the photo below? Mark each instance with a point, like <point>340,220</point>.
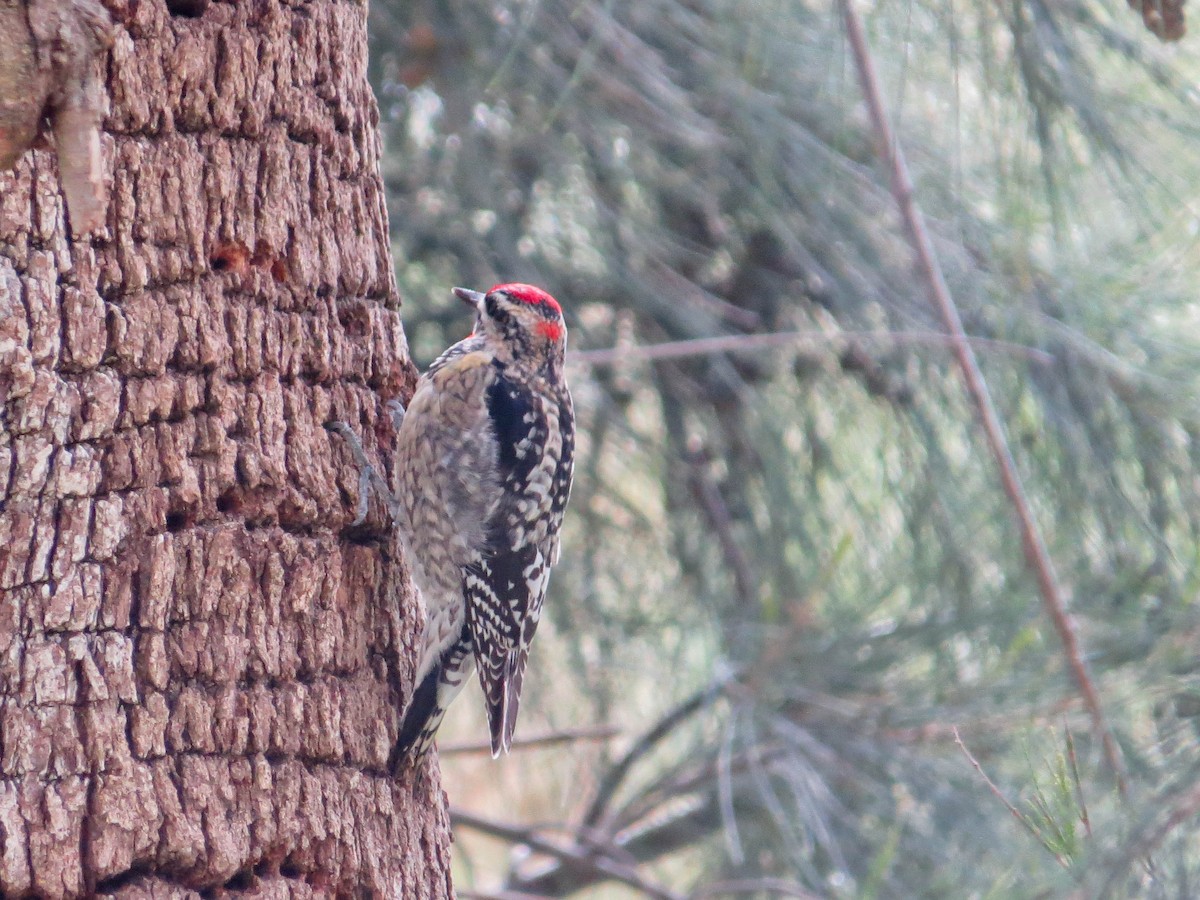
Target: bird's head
<point>524,318</point>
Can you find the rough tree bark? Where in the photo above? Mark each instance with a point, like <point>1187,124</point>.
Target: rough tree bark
<point>198,662</point>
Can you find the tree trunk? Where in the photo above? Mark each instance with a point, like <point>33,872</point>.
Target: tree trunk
<point>198,667</point>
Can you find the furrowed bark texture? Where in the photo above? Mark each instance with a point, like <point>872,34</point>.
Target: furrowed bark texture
<point>195,663</point>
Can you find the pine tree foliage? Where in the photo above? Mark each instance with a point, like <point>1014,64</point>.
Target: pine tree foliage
<point>814,538</point>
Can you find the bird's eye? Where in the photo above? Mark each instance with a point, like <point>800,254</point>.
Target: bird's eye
<point>492,304</point>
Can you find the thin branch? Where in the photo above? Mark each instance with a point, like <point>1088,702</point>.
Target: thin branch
<point>716,511</point>
<point>650,810</point>
<point>646,743</point>
<point>565,736</point>
<point>681,285</point>
<point>1186,808</point>
<point>571,855</point>
<point>1036,554</point>
<point>468,894</point>
<point>752,343</point>
<point>684,814</point>
<point>733,839</point>
<point>660,829</point>
<point>1016,813</point>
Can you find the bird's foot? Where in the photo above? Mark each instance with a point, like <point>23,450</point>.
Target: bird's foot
<point>368,475</point>
<point>396,408</point>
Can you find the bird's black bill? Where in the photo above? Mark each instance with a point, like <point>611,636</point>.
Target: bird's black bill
<point>475,298</point>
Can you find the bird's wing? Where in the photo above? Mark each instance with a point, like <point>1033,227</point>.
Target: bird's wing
<point>448,486</point>
<point>506,585</point>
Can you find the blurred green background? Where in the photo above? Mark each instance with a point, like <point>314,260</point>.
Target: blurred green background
<point>789,573</point>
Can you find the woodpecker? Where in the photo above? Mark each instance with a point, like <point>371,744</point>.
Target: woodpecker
<point>484,458</point>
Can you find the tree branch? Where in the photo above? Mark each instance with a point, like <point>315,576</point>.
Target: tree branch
<point>571,855</point>
<point>753,343</point>
<point>662,828</point>
<point>999,795</point>
<point>716,511</point>
<point>565,736</point>
<point>1036,554</point>
<point>1184,809</point>
<point>645,744</point>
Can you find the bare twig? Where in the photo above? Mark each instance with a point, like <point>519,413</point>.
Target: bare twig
<point>680,285</point>
<point>661,828</point>
<point>1036,554</point>
<point>752,343</point>
<point>571,855</point>
<point>733,840</point>
<point>645,744</point>
<point>1187,807</point>
<point>716,511</point>
<point>565,736</point>
<point>1016,813</point>
<point>468,894</point>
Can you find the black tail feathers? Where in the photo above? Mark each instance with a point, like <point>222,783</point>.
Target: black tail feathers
<point>421,706</point>
<point>502,693</point>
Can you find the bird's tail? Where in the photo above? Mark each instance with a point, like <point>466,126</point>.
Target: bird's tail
<point>429,703</point>
<point>500,675</point>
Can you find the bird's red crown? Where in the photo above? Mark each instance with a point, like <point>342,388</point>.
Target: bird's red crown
<point>527,293</point>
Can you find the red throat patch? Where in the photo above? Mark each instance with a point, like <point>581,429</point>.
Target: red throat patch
<point>551,331</point>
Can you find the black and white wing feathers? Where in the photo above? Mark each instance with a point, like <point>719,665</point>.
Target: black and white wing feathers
<point>506,585</point>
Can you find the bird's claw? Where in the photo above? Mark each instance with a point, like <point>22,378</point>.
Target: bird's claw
<point>368,476</point>
<point>396,408</point>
